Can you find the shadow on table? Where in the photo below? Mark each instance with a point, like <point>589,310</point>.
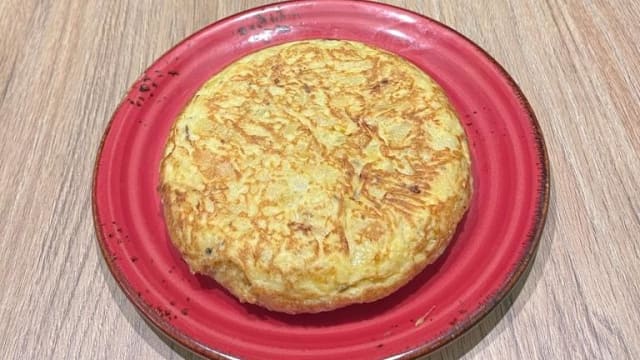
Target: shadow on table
<point>487,329</point>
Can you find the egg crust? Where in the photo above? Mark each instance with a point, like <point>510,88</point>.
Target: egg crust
<point>315,174</point>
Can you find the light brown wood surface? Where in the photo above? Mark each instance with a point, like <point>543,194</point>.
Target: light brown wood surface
<point>65,65</point>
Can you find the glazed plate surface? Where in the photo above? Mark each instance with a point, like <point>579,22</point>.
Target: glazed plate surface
<point>491,249</point>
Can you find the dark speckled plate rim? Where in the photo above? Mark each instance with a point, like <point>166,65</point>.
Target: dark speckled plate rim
<point>456,331</point>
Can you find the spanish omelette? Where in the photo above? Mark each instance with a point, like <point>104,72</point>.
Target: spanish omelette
<point>315,174</point>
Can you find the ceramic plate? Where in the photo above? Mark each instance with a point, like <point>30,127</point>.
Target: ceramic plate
<point>493,245</point>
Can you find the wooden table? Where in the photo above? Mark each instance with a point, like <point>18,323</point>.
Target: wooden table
<point>64,66</point>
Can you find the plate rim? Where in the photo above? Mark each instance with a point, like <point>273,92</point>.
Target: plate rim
<point>533,238</point>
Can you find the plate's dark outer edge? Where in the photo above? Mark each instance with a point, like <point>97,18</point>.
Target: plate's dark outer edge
<point>457,330</point>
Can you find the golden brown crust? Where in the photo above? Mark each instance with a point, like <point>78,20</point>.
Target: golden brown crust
<point>315,174</point>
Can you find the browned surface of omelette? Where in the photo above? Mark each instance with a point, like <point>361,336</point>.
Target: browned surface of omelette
<point>315,174</point>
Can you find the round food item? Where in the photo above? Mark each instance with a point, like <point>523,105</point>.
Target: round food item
<point>315,174</point>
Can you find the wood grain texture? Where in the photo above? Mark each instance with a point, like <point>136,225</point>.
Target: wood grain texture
<point>64,66</point>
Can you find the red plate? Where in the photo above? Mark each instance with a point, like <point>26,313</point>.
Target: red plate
<point>493,246</point>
